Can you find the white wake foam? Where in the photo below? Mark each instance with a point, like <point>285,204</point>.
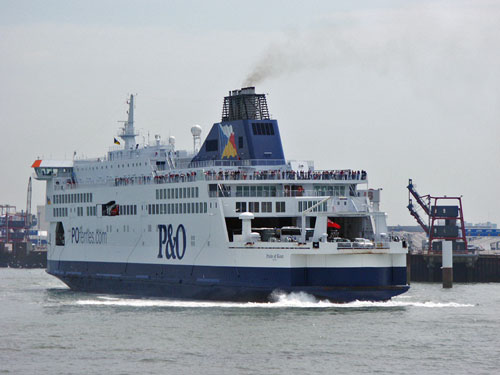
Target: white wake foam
<point>281,300</point>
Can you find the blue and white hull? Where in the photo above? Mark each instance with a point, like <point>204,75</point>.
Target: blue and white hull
<point>382,276</point>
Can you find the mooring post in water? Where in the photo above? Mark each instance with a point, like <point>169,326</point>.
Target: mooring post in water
<point>447,264</point>
<point>408,267</point>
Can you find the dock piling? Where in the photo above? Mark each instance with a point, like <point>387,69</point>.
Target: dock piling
<point>447,263</point>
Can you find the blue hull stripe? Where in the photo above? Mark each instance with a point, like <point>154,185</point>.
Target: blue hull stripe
<point>230,283</point>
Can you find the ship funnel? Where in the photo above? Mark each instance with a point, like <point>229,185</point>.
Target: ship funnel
<point>245,104</point>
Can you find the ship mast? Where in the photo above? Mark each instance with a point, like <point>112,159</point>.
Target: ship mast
<point>128,134</point>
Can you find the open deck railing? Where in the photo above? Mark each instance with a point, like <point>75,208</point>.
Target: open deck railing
<point>161,177</point>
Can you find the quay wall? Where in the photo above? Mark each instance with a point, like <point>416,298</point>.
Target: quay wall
<point>22,257</point>
<point>467,268</point>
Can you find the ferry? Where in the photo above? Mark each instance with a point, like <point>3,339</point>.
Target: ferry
<point>229,220</point>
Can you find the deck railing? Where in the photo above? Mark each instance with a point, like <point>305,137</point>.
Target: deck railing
<point>287,176</point>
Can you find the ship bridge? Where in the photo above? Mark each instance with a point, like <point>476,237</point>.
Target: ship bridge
<point>47,169</point>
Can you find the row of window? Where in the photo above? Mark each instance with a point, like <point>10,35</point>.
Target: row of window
<point>73,198</point>
<point>304,205</point>
<point>91,211</point>
<point>260,207</point>
<point>127,209</point>
<point>256,191</point>
<point>60,211</point>
<point>335,190</point>
<point>63,211</point>
<point>177,208</point>
<point>262,128</point>
<point>96,167</point>
<point>176,193</point>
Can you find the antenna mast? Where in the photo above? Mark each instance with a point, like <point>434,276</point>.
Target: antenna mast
<point>128,134</point>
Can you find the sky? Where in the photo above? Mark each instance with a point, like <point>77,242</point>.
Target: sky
<point>401,89</point>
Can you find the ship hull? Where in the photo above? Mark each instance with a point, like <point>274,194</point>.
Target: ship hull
<point>256,284</point>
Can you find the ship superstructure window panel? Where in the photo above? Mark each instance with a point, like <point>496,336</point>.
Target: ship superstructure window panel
<point>241,206</point>
<point>263,128</point>
<point>253,206</point>
<point>280,207</point>
<point>305,205</point>
<point>211,145</point>
<point>256,191</point>
<point>267,207</point>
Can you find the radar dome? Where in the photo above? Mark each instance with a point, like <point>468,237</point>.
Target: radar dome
<point>196,130</point>
<point>171,140</point>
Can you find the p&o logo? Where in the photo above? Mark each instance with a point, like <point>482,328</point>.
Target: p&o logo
<point>175,246</point>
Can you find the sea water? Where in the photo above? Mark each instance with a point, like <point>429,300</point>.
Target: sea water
<point>45,328</point>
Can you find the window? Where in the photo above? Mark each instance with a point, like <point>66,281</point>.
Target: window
<point>240,142</point>
<point>241,206</point>
<point>211,145</point>
<point>280,207</point>
<point>253,206</point>
<point>267,207</point>
<point>262,128</point>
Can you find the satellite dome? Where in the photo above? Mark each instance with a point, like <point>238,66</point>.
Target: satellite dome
<point>171,140</point>
<point>196,130</point>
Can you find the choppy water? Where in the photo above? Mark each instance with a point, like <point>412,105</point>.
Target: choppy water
<point>46,328</point>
